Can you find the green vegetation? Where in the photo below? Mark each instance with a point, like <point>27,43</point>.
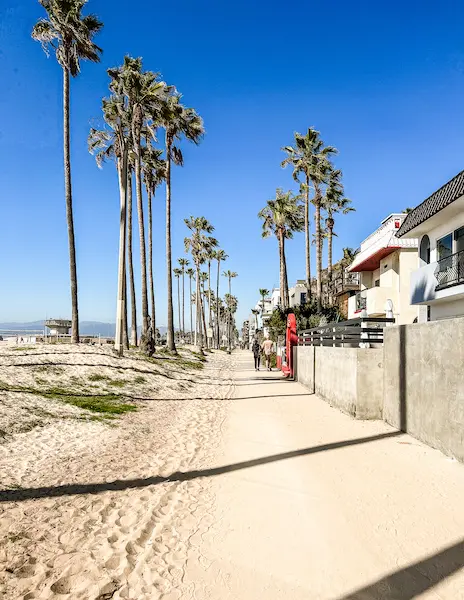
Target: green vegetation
<point>97,377</point>
<point>108,404</point>
<point>140,379</point>
<point>22,348</point>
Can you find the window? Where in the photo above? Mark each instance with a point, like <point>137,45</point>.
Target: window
<point>445,246</point>
<point>303,298</point>
<point>459,239</point>
<point>424,250</point>
<point>377,283</point>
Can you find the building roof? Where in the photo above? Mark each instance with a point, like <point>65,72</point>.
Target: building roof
<point>444,196</point>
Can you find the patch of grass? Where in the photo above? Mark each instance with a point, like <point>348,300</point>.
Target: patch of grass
<point>108,404</point>
<point>49,369</point>
<point>22,348</point>
<point>40,381</point>
<point>97,377</point>
<point>190,364</point>
<point>140,379</point>
<point>117,382</point>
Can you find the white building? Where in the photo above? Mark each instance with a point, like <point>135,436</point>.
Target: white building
<point>438,281</point>
<point>385,263</point>
<point>298,293</point>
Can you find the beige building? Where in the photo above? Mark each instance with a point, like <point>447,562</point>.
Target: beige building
<point>385,263</point>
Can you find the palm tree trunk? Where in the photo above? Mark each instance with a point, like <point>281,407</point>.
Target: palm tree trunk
<point>197,305</point>
<point>178,303</point>
<point>318,249</point>
<point>229,325</point>
<point>329,253</point>
<point>143,251</point>
<point>191,319</point>
<point>69,211</point>
<point>209,293</point>
<point>307,241</point>
<point>133,337</point>
<point>183,301</point>
<point>120,311</point>
<point>125,322</point>
<point>217,305</point>
<point>283,273</point>
<point>170,333</point>
<point>202,304</point>
<point>150,263</point>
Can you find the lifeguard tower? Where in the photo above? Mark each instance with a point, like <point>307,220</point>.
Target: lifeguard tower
<point>58,326</point>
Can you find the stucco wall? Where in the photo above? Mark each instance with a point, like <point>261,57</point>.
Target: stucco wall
<point>351,379</point>
<point>408,262</point>
<point>424,382</point>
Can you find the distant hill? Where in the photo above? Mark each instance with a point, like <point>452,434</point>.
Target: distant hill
<point>85,327</point>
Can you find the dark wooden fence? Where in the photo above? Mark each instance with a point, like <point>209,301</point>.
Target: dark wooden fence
<point>346,334</point>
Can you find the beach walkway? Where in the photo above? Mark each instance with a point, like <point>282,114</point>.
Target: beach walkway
<point>311,504</point>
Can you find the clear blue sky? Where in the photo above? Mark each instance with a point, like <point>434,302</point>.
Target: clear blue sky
<point>383,82</point>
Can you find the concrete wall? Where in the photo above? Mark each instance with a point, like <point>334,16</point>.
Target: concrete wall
<point>424,383</point>
<point>350,379</point>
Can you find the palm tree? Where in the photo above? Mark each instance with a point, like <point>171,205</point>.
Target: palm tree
<point>71,35</point>
<point>191,273</point>
<point>263,292</point>
<point>281,217</point>
<point>220,256</point>
<point>196,244</point>
<point>177,121</point>
<point>255,312</point>
<point>310,158</point>
<point>114,143</point>
<point>143,91</point>
<point>203,280</point>
<point>334,202</point>
<point>183,262</point>
<point>154,171</point>
<point>210,255</point>
<point>230,275</point>
<point>178,275</point>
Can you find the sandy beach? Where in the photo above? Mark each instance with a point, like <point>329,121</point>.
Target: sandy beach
<point>87,508</point>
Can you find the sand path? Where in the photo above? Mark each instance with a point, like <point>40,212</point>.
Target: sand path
<point>310,504</point>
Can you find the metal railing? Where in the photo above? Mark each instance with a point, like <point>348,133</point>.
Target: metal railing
<point>450,270</point>
<point>345,282</point>
<point>346,334</point>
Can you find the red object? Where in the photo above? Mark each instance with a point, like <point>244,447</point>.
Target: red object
<point>291,341</point>
<point>279,362</point>
<point>373,262</point>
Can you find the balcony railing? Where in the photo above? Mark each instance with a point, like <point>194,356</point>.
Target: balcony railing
<point>350,334</point>
<point>450,270</point>
<point>345,282</point>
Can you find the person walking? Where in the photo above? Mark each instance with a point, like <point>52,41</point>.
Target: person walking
<point>256,349</point>
<point>267,347</point>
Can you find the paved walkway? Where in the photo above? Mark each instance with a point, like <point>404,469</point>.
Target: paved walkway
<point>311,504</point>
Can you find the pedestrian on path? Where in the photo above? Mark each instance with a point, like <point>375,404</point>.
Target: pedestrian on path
<point>267,347</point>
<point>256,349</point>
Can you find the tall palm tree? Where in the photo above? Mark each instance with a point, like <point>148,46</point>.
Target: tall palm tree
<point>210,255</point>
<point>203,280</point>
<point>220,256</point>
<point>334,202</point>
<point>191,274</point>
<point>114,143</point>
<point>263,292</point>
<point>229,275</point>
<point>177,122</point>
<point>310,158</point>
<point>183,262</point>
<point>178,275</point>
<point>144,91</point>
<point>282,216</point>
<point>196,244</point>
<point>154,172</point>
<point>255,312</point>
<point>70,34</point>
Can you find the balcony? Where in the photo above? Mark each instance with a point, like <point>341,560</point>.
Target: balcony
<point>372,300</point>
<point>345,282</point>
<point>450,271</point>
<point>442,280</point>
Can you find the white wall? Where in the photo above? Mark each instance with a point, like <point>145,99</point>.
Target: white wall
<point>408,261</point>
<point>447,310</point>
<point>448,226</point>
